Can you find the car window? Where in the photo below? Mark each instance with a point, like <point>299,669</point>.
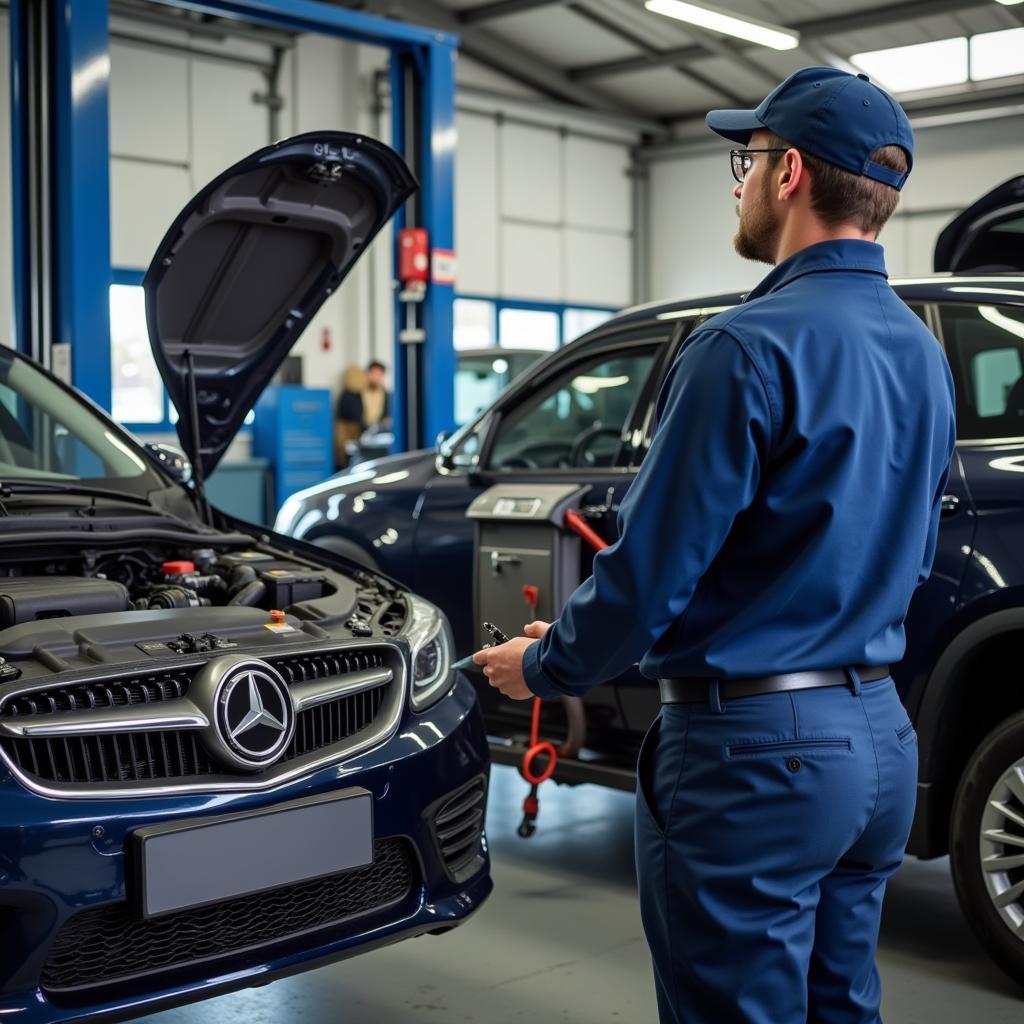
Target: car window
<point>44,435</point>
<point>481,377</point>
<point>577,419</point>
<point>985,345</point>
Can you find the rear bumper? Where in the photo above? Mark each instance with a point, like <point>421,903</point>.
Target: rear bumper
<point>63,858</point>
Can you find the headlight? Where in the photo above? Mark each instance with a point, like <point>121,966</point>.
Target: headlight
<point>429,635</point>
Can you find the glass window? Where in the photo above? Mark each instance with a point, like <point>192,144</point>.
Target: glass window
<point>474,324</point>
<point>45,434</point>
<point>137,391</point>
<point>578,321</point>
<point>479,379</point>
<point>985,345</point>
<point>577,419</point>
<point>528,328</point>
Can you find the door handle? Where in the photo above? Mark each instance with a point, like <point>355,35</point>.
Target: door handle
<point>950,504</point>
<point>498,560</point>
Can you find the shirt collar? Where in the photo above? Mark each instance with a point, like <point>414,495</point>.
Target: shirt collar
<point>836,254</point>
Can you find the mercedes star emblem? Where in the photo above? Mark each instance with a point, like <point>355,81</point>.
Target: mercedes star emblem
<point>252,718</point>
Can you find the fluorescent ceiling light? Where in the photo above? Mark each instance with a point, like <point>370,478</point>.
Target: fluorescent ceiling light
<point>1009,3</point>
<point>997,54</point>
<point>919,66</point>
<point>753,31</point>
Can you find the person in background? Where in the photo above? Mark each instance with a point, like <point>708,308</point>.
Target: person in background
<point>364,402</point>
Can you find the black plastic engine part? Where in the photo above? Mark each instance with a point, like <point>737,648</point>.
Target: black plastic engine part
<point>172,597</point>
<point>287,586</point>
<point>30,598</point>
<point>249,595</point>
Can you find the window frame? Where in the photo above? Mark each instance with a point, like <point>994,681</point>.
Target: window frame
<point>558,308</point>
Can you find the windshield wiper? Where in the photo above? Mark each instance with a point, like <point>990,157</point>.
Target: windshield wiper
<point>9,488</point>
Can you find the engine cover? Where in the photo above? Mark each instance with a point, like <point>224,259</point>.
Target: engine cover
<point>30,598</point>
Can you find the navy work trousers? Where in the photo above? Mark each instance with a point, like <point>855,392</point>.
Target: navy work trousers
<point>766,830</point>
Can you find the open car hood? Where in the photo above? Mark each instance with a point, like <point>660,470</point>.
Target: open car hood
<point>249,261</point>
<point>988,237</point>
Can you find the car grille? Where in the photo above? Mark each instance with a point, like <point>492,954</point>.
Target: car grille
<point>178,754</point>
<point>458,825</point>
<point>112,944</point>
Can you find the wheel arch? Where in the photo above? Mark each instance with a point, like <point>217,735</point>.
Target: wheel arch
<point>966,696</point>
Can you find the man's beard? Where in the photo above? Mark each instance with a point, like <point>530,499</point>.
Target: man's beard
<point>758,230</point>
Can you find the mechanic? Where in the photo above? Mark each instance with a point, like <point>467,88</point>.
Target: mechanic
<point>766,555</point>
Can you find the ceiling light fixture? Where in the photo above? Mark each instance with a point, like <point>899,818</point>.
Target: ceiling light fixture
<point>715,20</point>
<point>1009,3</point>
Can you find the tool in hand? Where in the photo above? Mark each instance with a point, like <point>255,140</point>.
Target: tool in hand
<point>498,636</point>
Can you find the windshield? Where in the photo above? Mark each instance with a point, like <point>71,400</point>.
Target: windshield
<point>45,434</point>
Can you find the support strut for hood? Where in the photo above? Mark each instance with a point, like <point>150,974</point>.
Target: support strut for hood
<point>197,463</point>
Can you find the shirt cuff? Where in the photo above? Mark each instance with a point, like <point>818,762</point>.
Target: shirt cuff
<point>533,673</point>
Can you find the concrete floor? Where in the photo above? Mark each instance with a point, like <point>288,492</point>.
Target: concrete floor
<point>560,942</point>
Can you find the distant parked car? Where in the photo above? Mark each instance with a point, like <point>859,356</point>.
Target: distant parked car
<point>586,414</point>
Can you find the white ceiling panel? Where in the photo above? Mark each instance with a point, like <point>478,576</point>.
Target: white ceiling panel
<point>556,34</point>
<point>660,91</point>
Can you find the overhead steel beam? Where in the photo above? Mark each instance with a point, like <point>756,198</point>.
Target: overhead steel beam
<point>809,29</point>
<point>501,9</point>
<point>507,57</point>
<point>615,29</point>
<point>939,102</point>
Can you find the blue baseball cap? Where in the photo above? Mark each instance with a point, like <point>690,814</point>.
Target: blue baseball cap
<point>831,114</point>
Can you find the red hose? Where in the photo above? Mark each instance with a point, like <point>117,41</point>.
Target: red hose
<point>578,524</point>
<point>536,748</point>
<point>539,747</point>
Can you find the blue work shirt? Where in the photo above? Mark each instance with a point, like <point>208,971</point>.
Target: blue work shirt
<point>789,504</point>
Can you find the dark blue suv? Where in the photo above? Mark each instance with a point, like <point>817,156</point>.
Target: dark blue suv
<point>225,755</point>
<point>585,414</point>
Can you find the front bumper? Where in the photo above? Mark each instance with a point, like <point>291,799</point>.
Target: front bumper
<point>62,858</point>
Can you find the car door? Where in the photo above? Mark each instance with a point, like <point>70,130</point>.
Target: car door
<point>577,417</point>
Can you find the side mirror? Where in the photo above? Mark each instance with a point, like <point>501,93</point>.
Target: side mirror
<point>172,461</point>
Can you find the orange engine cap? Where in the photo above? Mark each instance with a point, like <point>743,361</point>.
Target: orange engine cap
<point>276,615</point>
<point>177,568</point>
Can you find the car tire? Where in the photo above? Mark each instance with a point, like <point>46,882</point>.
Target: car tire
<point>990,802</point>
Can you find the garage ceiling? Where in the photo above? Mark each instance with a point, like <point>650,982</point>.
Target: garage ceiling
<point>615,55</point>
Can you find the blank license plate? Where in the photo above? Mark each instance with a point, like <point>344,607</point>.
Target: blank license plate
<point>207,860</point>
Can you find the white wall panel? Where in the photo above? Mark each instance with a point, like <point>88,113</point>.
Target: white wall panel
<point>693,215</point>
<point>531,173</point>
<point>693,220</point>
<point>149,103</point>
<point>476,204</point>
<point>598,268</point>
<point>597,186</point>
<point>531,262</point>
<point>226,124</point>
<point>145,198</point>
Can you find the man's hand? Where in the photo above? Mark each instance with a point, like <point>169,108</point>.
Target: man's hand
<point>503,665</point>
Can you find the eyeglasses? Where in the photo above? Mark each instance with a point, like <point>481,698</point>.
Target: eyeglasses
<point>742,160</point>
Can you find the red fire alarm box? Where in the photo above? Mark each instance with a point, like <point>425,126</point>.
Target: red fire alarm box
<point>413,255</point>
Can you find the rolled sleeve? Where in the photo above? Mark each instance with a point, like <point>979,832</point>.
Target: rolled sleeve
<point>713,436</point>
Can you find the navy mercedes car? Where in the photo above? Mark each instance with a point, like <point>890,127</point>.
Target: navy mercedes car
<point>225,755</point>
<point>585,415</point>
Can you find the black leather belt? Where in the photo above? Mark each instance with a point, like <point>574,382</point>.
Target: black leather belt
<point>693,689</point>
